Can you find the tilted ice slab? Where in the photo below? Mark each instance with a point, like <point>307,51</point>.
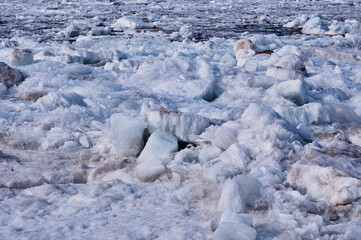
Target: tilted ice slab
<point>185,126</point>
<point>53,100</point>
<point>127,134</point>
<point>311,113</point>
<point>157,149</point>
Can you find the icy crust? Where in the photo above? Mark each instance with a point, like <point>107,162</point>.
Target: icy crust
<point>141,137</point>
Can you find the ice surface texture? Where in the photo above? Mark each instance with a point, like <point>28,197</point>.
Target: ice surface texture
<point>180,119</point>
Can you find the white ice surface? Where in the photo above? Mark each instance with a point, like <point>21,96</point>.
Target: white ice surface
<point>263,143</point>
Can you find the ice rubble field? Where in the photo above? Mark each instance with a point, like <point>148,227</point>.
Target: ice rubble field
<point>151,123</point>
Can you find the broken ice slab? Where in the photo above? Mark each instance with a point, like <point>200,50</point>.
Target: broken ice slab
<point>127,133</point>
<point>185,126</point>
<point>160,143</point>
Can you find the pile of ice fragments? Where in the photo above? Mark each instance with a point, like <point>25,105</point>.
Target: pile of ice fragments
<point>253,139</point>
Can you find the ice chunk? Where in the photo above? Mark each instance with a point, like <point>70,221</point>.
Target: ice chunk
<point>237,155</point>
<point>99,31</point>
<point>21,57</point>
<point>71,31</point>
<point>251,188</point>
<point>314,26</point>
<point>185,32</point>
<point>87,56</point>
<point>235,226</point>
<point>65,58</point>
<point>84,141</point>
<point>305,133</point>
<point>130,22</point>
<point>232,217</point>
<point>290,61</point>
<point>3,89</point>
<point>224,137</point>
<point>244,44</point>
<point>297,22</point>
<point>342,113</point>
<point>127,134</point>
<point>185,126</point>
<point>288,67</point>
<point>259,113</point>
<point>150,165</point>
<point>207,154</point>
<point>264,82</point>
<point>149,170</point>
<point>292,50</point>
<point>234,231</point>
<point>267,171</point>
<point>159,143</point>
<point>232,197</point>
<point>10,76</point>
<point>228,59</point>
<point>293,90</point>
<point>308,114</point>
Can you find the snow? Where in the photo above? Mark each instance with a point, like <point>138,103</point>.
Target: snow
<point>180,119</point>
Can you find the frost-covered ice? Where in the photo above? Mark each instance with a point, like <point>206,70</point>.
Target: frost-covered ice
<point>180,119</point>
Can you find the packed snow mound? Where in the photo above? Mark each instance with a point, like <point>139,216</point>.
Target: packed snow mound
<point>127,134</point>
<point>324,178</point>
<point>130,22</point>
<point>177,76</point>
<point>274,131</point>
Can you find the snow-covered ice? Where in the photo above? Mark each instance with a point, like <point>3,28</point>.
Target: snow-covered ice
<point>180,119</point>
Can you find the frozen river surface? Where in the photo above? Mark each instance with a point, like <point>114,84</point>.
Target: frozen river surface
<point>180,119</point>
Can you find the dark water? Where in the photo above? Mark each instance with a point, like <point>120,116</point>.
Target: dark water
<point>42,19</point>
